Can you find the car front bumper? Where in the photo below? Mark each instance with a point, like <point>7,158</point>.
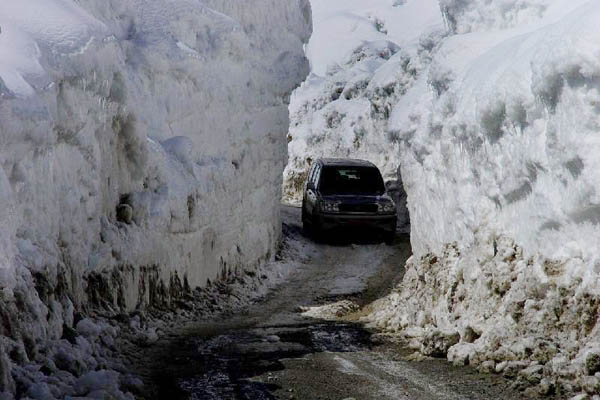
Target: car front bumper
<point>386,222</point>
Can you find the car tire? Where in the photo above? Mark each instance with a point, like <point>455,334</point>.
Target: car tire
<point>389,237</point>
<point>316,230</point>
<point>305,225</point>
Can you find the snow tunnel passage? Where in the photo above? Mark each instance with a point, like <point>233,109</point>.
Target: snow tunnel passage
<point>359,72</point>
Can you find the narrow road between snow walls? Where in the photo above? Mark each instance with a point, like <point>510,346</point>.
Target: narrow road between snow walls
<point>304,340</point>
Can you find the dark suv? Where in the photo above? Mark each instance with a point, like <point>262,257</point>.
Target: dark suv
<point>347,193</point>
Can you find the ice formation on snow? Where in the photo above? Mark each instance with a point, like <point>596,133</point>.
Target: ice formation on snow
<point>142,150</point>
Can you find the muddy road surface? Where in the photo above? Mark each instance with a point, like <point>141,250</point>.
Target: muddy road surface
<point>273,350</point>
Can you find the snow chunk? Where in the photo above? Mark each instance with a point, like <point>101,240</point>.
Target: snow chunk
<point>332,311</point>
<point>98,380</point>
<point>88,328</point>
<point>182,148</point>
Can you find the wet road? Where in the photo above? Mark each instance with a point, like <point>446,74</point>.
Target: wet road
<point>273,351</point>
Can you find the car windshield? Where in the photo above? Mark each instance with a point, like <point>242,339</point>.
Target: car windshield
<point>351,180</point>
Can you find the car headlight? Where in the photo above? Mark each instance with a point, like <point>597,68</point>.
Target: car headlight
<point>387,208</point>
<point>330,207</point>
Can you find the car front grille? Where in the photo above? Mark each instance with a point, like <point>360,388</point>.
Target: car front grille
<point>359,208</point>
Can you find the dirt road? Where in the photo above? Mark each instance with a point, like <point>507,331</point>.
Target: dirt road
<point>272,351</point>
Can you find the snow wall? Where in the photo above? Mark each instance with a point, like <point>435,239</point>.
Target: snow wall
<point>142,145</point>
<point>490,110</point>
<point>498,148</point>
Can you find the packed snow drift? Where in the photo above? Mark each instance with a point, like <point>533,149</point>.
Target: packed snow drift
<point>142,148</point>
<point>490,109</point>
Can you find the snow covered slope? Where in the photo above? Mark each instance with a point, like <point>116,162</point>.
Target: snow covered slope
<point>142,144</point>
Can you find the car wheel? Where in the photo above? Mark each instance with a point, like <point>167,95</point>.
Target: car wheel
<point>389,237</point>
<point>305,225</point>
<point>316,230</point>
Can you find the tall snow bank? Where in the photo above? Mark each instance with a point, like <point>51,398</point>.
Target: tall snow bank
<point>142,150</point>
<point>500,139</point>
<point>499,163</point>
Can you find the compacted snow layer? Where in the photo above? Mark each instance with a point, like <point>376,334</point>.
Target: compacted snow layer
<point>142,149</point>
<point>498,148</point>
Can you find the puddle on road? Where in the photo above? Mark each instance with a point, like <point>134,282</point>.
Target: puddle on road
<point>224,365</point>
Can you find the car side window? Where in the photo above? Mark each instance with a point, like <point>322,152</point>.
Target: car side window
<point>311,175</point>
<point>317,176</point>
